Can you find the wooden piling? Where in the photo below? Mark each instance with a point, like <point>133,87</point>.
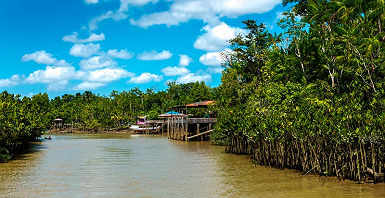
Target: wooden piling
<point>168,128</point>
<point>186,131</point>
<point>178,128</point>
<point>198,130</point>
<point>162,127</point>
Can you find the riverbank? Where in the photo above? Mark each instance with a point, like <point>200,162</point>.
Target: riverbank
<point>359,161</point>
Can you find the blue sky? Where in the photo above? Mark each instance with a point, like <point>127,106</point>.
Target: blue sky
<point>69,46</point>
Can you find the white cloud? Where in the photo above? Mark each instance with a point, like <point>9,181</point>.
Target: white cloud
<point>42,57</point>
<point>124,4</point>
<point>145,78</point>
<point>73,38</point>
<point>39,57</point>
<point>88,86</point>
<point>175,71</point>
<point>93,24</point>
<point>194,78</point>
<point>217,38</point>
<point>85,50</point>
<point>57,86</point>
<point>184,60</point>
<point>97,62</point>
<point>9,82</point>
<point>180,12</point>
<point>57,78</point>
<point>235,8</point>
<point>215,70</point>
<point>51,75</point>
<point>207,10</point>
<point>160,18</point>
<point>122,54</point>
<point>95,71</point>
<point>108,75</point>
<point>153,55</point>
<point>211,59</point>
<point>119,14</point>
<point>92,1</point>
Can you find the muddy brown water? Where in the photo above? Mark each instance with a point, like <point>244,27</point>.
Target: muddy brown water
<point>153,166</point>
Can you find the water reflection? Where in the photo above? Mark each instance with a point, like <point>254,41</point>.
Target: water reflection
<point>152,166</point>
<point>20,169</point>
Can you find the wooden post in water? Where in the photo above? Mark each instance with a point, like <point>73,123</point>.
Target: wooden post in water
<point>176,129</point>
<point>168,128</point>
<point>162,125</point>
<point>173,129</point>
<point>198,129</point>
<point>184,129</point>
<point>210,126</point>
<point>179,123</point>
<point>186,132</point>
<point>179,127</point>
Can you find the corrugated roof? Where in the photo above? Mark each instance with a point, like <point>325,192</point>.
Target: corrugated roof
<point>173,112</point>
<point>201,104</point>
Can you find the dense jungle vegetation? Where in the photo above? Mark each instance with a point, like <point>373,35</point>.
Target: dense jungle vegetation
<point>313,97</point>
<point>24,119</point>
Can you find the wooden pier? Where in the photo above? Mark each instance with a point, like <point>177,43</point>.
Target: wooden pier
<point>186,129</point>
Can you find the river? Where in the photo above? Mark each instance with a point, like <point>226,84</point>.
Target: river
<point>152,166</point>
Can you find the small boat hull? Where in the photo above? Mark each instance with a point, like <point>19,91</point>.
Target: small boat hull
<point>143,129</point>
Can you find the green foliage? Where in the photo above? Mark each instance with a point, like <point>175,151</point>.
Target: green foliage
<point>313,97</point>
<point>94,112</point>
<point>153,115</point>
<point>21,121</point>
<point>322,77</point>
<point>4,155</point>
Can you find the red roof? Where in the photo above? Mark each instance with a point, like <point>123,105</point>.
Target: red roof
<point>201,104</point>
